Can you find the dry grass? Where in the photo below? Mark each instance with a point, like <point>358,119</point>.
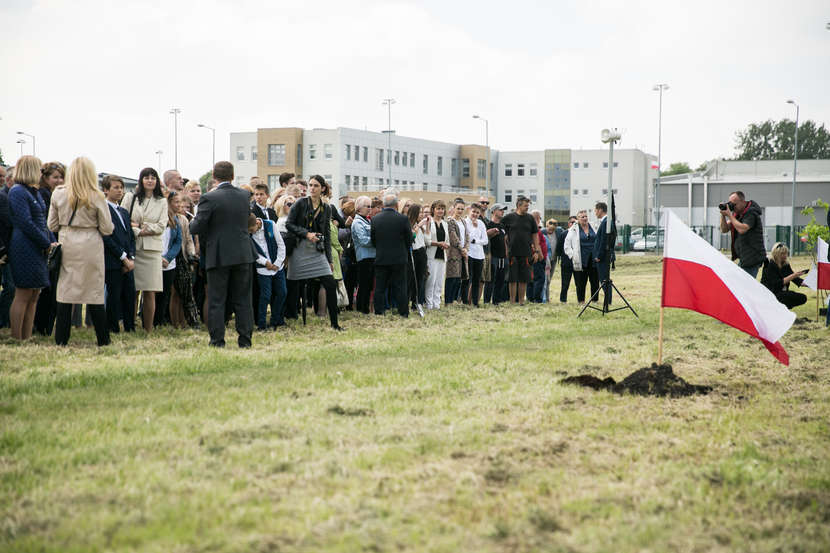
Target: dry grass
<point>445,434</point>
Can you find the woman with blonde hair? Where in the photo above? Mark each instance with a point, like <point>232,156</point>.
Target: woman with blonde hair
<point>80,215</point>
<point>30,242</point>
<point>148,217</point>
<point>778,274</point>
<point>282,207</point>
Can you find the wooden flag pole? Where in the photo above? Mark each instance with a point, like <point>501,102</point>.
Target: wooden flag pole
<point>660,339</point>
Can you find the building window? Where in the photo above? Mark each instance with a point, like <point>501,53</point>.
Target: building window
<point>348,152</point>
<point>465,168</point>
<point>379,183</point>
<point>520,169</point>
<point>616,164</point>
<point>584,164</point>
<point>397,158</point>
<point>438,188</point>
<point>327,151</point>
<point>508,169</point>
<point>533,197</point>
<point>426,164</point>
<point>397,182</point>
<point>365,183</point>
<point>508,196</point>
<point>533,169</point>
<point>440,166</point>
<point>365,153</point>
<point>576,192</point>
<point>273,181</point>
<point>240,153</point>
<point>299,154</point>
<point>616,190</point>
<point>481,168</point>
<point>276,155</point>
<point>253,153</point>
<point>519,193</point>
<point>312,151</point>
<point>348,181</point>
<point>576,165</point>
<point>605,165</point>
<point>584,191</point>
<point>604,190</point>
<point>379,159</point>
<point>328,181</point>
<point>412,159</point>
<point>454,167</point>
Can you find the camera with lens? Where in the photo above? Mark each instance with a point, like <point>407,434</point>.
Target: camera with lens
<point>319,245</point>
<point>728,205</point>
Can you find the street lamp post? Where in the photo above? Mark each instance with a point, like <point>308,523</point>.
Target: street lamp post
<point>795,168</point>
<point>213,143</point>
<point>21,142</point>
<point>388,102</point>
<point>175,112</point>
<point>488,176</point>
<point>659,88</point>
<point>158,153</point>
<point>34,151</point>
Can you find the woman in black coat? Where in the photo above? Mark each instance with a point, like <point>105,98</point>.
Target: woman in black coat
<point>778,274</point>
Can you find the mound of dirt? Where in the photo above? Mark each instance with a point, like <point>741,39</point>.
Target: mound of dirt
<point>656,380</point>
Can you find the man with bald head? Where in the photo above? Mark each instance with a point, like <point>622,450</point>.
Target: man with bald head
<point>173,180</point>
<point>391,236</point>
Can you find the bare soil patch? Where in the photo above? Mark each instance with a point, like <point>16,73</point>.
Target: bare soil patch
<point>656,380</point>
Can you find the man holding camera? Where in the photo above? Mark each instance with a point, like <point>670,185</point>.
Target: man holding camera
<point>742,218</point>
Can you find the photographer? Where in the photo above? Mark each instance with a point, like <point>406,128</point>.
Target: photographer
<point>742,218</point>
<point>778,274</point>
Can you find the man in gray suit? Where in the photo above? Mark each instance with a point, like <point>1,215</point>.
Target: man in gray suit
<point>222,225</point>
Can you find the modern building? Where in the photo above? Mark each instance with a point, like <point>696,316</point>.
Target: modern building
<point>557,181</point>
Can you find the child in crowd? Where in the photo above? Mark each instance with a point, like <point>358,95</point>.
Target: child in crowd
<point>270,250</point>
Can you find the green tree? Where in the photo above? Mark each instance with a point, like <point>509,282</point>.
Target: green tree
<point>776,140</point>
<point>203,180</point>
<point>814,230</point>
<point>677,168</point>
<point>1,158</point>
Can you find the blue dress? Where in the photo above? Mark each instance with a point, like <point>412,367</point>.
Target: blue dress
<point>30,238</point>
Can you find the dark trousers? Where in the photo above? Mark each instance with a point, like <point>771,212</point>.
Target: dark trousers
<point>391,277</point>
<point>349,278</point>
<point>582,277</point>
<point>272,291</point>
<point>120,299</point>
<point>791,299</point>
<point>230,284</point>
<point>476,267</point>
<point>162,316</point>
<point>603,274</point>
<point>7,295</point>
<point>567,272</point>
<point>365,281</point>
<point>63,323</point>
<point>46,310</point>
<point>538,284</point>
<point>303,286</point>
<point>494,290</point>
<point>452,287</point>
<point>418,282</point>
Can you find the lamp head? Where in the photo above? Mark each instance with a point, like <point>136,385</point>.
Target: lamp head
<point>200,125</point>
<point>476,117</point>
<point>792,102</point>
<point>608,135</point>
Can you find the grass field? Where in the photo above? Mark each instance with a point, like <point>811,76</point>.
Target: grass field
<point>445,434</point>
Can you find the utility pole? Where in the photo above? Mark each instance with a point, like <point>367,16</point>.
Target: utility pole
<point>175,112</point>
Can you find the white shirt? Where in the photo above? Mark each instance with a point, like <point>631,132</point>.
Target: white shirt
<point>259,238</point>
<point>165,246</point>
<point>478,238</point>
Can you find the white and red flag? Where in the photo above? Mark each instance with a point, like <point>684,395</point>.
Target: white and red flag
<point>696,276</point>
<point>819,276</point>
<point>654,164</point>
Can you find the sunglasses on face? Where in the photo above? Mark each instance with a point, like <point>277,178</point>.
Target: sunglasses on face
<point>484,203</point>
<point>289,204</point>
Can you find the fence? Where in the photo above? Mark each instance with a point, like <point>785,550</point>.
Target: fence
<point>646,239</point>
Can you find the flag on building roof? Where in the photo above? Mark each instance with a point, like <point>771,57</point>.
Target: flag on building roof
<point>654,164</point>
<point>698,277</point>
<point>819,276</point>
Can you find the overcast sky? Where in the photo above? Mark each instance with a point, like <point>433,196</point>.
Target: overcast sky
<point>99,78</point>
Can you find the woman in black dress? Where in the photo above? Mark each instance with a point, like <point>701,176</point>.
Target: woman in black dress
<point>778,274</point>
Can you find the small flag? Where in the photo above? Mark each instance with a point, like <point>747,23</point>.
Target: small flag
<point>654,164</point>
<point>698,277</point>
<point>819,276</point>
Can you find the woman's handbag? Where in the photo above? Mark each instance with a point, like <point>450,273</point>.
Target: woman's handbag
<point>53,259</point>
<point>342,295</point>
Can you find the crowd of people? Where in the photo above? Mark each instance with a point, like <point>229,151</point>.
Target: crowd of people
<point>167,254</point>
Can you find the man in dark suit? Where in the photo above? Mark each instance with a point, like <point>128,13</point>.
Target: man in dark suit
<point>222,225</point>
<point>119,253</point>
<point>567,270</point>
<point>391,236</point>
<point>603,253</point>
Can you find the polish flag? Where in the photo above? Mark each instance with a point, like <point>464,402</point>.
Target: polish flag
<point>819,276</point>
<point>654,164</point>
<point>698,277</point>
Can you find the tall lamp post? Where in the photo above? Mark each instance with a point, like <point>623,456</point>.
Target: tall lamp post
<point>175,112</point>
<point>659,88</point>
<point>388,103</point>
<point>795,167</point>
<point>34,151</point>
<point>158,153</point>
<point>213,144</point>
<point>21,142</point>
<point>488,177</point>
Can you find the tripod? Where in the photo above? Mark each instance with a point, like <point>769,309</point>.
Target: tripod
<point>606,286</point>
